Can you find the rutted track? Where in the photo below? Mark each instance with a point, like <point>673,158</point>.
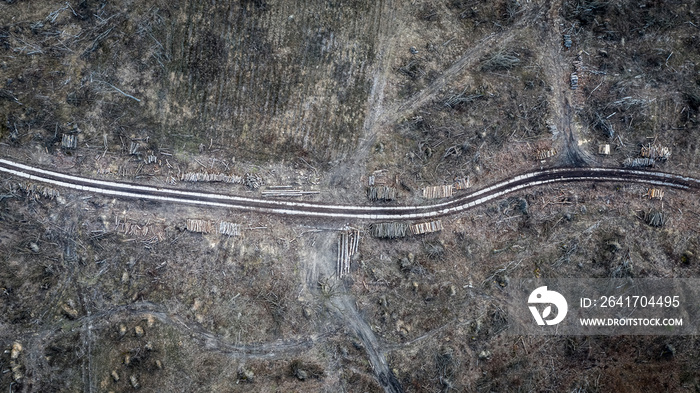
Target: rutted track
<point>321,210</point>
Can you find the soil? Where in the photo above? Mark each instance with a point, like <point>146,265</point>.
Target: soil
<point>106,294</point>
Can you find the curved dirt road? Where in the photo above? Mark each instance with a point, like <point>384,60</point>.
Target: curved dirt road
<point>373,213</point>
<point>343,304</point>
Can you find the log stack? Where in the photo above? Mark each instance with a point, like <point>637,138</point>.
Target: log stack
<point>348,240</point>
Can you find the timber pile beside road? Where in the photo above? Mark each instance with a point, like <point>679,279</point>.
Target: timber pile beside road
<point>372,213</point>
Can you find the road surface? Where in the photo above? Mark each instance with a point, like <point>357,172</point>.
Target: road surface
<point>358,212</point>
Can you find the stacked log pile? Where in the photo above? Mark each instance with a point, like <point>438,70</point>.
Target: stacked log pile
<point>34,190</point>
<point>69,141</point>
<point>253,181</point>
<point>133,148</point>
<point>543,154</point>
<point>461,183</point>
<point>146,231</point>
<point>229,228</point>
<point>204,226</point>
<point>434,192</point>
<point>381,193</point>
<point>389,230</point>
<point>426,227</point>
<point>574,81</point>
<point>382,186</point>
<point>566,38</point>
<point>286,191</point>
<point>638,162</point>
<point>655,193</point>
<point>655,152</point>
<point>199,226</point>
<point>348,241</point>
<point>210,177</point>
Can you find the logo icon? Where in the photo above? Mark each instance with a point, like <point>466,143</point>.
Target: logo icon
<point>542,296</point>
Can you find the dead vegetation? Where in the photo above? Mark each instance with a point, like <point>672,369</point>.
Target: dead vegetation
<point>638,66</point>
<point>133,68</point>
<point>500,61</point>
<point>108,295</point>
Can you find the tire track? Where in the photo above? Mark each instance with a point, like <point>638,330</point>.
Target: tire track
<point>384,23</point>
<point>560,97</point>
<point>318,210</point>
<point>471,56</point>
<point>377,357</point>
<point>343,303</point>
<point>278,349</point>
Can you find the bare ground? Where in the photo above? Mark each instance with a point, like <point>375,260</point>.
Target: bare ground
<point>264,311</point>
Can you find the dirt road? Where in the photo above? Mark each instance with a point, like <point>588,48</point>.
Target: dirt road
<point>315,210</point>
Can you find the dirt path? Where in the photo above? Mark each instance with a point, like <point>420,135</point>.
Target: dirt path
<point>322,211</point>
<point>347,172</point>
<point>280,349</point>
<point>468,60</point>
<point>557,72</point>
<point>344,304</point>
<point>340,302</point>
